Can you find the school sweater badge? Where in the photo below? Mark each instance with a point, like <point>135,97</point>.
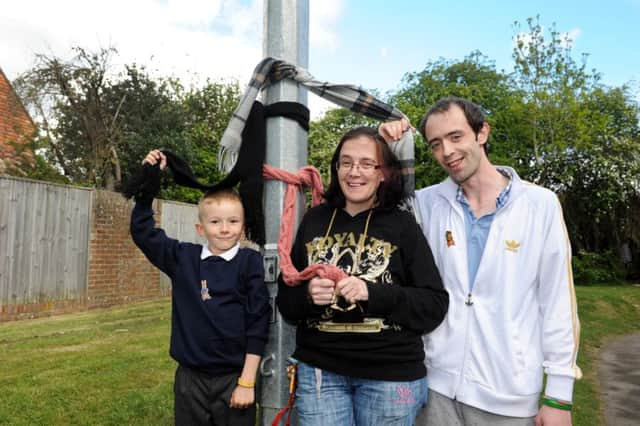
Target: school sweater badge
<point>204,291</point>
<point>512,245</point>
<point>449,237</point>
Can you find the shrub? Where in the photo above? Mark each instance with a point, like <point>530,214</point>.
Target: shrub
<point>591,268</point>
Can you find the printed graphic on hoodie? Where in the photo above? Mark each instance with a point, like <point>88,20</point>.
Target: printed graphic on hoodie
<point>365,257</point>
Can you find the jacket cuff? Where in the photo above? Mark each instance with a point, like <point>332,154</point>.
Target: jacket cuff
<point>560,387</point>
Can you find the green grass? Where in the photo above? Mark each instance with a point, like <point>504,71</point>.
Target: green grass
<point>112,367</point>
<point>605,312</point>
<point>108,367</point>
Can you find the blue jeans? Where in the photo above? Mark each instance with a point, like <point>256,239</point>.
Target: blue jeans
<point>324,398</point>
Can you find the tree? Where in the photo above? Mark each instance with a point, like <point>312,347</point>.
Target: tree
<point>475,78</point>
<point>551,80</point>
<point>16,157</point>
<point>149,115</point>
<point>83,137</point>
<point>97,126</point>
<point>599,181</point>
<point>583,138</point>
<point>206,112</point>
<point>555,122</point>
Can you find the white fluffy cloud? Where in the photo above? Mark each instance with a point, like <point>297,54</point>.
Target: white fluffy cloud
<point>323,16</point>
<point>216,39</point>
<point>569,39</point>
<point>190,39</point>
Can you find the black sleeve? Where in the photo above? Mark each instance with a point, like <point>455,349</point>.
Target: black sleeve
<point>153,242</point>
<point>293,302</point>
<point>421,302</point>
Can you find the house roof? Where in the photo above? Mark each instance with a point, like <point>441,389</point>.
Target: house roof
<point>9,98</point>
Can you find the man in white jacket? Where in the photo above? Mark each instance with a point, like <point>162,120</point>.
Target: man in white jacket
<point>504,256</point>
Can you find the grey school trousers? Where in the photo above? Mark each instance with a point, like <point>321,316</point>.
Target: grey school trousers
<point>203,399</point>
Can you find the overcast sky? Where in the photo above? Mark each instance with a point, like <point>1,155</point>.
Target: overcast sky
<point>372,43</point>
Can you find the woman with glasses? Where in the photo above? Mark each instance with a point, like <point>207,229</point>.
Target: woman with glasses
<point>358,342</point>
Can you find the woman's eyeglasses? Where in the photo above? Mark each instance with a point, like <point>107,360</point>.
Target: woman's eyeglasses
<point>346,165</point>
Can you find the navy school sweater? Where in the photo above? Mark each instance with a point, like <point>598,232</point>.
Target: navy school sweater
<point>209,334</point>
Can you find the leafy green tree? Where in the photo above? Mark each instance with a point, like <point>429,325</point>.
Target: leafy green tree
<point>41,169</point>
<point>555,122</point>
<point>206,112</point>
<point>551,82</point>
<point>598,181</point>
<point>160,113</point>
<point>582,137</point>
<point>97,126</point>
<point>149,115</point>
<point>475,78</point>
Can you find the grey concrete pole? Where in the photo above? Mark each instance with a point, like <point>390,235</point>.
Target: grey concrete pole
<point>286,36</point>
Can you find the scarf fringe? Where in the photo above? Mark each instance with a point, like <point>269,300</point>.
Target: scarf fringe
<point>227,158</point>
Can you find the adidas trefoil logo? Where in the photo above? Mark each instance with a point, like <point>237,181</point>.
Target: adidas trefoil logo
<point>512,245</point>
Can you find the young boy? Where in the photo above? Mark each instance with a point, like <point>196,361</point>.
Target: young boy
<point>220,308</point>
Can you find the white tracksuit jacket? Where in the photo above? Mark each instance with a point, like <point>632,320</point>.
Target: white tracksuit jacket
<point>491,354</point>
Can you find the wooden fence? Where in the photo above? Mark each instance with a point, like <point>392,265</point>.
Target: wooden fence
<point>59,245</point>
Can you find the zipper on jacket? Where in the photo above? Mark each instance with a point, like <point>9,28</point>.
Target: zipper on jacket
<point>466,347</point>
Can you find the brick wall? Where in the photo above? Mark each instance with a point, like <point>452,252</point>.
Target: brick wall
<point>118,271</point>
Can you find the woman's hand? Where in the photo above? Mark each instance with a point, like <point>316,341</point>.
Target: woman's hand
<point>321,291</point>
<point>352,289</point>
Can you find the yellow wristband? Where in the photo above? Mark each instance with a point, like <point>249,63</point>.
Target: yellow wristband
<point>244,384</point>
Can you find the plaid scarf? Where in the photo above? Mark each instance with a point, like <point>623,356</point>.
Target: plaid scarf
<point>354,98</point>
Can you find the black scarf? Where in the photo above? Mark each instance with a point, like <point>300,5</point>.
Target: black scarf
<point>247,170</point>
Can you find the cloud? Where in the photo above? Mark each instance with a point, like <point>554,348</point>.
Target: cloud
<point>318,106</point>
<point>172,37</point>
<point>192,13</point>
<point>569,38</point>
<point>189,39</point>
<point>323,17</point>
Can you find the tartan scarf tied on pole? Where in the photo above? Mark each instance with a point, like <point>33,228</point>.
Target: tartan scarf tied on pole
<point>354,98</point>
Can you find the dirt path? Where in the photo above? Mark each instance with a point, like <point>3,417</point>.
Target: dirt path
<point>619,373</point>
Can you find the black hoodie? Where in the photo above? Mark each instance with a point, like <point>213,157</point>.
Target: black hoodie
<point>405,294</point>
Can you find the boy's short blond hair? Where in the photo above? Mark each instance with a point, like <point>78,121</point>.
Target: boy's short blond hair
<point>228,194</point>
